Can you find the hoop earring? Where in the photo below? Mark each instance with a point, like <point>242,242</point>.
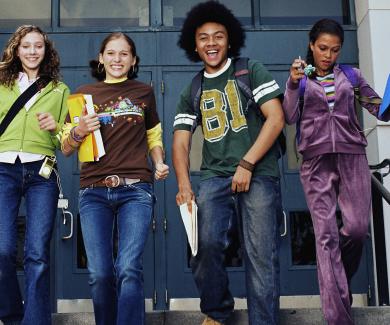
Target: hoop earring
<point>100,68</point>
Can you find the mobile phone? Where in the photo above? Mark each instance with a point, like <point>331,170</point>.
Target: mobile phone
<point>300,69</point>
<point>47,167</point>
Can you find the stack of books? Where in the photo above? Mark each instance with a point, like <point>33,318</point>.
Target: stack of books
<point>92,148</point>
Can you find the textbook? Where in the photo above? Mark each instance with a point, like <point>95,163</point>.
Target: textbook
<point>190,221</point>
<point>92,147</point>
<point>386,99</point>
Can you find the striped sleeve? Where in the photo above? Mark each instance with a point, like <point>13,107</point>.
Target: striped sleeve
<point>186,119</point>
<point>264,85</point>
<point>265,89</point>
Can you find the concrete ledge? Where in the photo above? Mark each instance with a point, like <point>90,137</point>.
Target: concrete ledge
<point>309,316</point>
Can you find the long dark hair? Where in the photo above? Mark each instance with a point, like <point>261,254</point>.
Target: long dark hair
<point>210,12</point>
<point>323,26</point>
<point>10,64</point>
<point>97,69</point>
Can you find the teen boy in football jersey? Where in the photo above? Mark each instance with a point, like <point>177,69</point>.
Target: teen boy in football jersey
<point>239,172</point>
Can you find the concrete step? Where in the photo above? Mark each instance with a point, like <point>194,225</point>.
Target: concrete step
<point>362,316</point>
<point>312,316</point>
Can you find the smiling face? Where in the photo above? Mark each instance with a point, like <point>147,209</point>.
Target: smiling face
<point>211,40</point>
<point>31,52</point>
<point>326,50</point>
<point>117,59</point>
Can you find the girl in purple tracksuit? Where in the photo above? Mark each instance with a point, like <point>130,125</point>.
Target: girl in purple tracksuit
<point>334,169</point>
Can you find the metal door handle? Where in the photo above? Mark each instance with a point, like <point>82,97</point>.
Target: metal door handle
<point>285,224</point>
<point>64,213</point>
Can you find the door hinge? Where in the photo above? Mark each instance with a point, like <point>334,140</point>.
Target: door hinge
<point>155,297</point>
<point>166,297</point>
<point>154,224</point>
<point>162,86</point>
<point>165,224</point>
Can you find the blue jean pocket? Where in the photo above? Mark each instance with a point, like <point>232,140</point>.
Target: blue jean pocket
<point>144,188</point>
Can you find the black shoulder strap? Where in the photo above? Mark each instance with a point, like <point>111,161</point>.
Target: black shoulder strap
<point>353,79</point>
<point>360,101</point>
<point>243,82</point>
<point>196,93</point>
<point>241,73</point>
<point>21,101</point>
<point>302,87</point>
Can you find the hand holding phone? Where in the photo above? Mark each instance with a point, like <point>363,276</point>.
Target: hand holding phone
<point>297,70</point>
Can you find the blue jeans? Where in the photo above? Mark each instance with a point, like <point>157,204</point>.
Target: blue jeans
<point>116,285</point>
<point>259,214</point>
<point>41,196</point>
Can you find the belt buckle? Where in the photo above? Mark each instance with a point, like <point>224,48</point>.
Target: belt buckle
<point>112,181</point>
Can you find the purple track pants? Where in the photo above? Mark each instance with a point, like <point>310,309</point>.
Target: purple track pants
<point>327,180</point>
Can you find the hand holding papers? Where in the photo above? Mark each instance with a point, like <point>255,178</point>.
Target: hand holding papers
<point>97,135</point>
<point>190,221</point>
<point>92,148</point>
<point>385,106</point>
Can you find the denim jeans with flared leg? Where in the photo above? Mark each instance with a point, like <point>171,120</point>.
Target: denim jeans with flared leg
<point>116,284</point>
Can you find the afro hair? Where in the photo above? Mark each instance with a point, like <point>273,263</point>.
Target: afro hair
<point>206,12</point>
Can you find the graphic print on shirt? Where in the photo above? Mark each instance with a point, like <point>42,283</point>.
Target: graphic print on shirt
<point>123,108</point>
<point>216,121</point>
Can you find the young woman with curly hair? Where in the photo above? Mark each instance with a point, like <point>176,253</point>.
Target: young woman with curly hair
<point>10,66</point>
<point>30,137</point>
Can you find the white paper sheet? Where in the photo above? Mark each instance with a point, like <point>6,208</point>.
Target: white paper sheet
<point>190,221</point>
<point>97,134</point>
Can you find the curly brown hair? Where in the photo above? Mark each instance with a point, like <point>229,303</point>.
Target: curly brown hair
<point>10,64</point>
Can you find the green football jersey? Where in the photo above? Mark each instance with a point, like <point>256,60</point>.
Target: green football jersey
<point>228,133</point>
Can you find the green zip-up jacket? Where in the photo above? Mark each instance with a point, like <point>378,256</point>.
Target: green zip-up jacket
<point>23,134</point>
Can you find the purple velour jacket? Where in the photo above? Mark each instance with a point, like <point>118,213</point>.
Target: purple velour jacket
<point>324,131</point>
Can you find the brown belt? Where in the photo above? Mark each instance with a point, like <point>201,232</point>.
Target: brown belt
<point>115,181</point>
